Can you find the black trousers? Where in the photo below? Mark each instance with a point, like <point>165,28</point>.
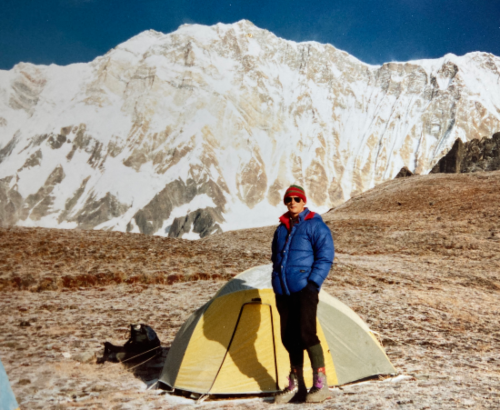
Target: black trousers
<point>298,322</point>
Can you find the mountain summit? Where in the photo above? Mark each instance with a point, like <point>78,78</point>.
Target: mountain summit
<point>202,130</point>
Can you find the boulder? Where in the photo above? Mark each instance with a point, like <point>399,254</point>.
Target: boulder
<point>404,172</point>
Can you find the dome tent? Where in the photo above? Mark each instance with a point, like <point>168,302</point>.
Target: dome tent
<point>232,344</point>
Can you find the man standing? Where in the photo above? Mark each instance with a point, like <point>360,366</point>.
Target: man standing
<point>302,254</point>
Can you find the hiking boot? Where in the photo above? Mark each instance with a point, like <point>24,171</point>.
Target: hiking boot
<point>319,392</point>
<point>295,391</point>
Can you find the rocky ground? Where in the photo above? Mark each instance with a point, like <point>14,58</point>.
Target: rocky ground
<point>418,258</point>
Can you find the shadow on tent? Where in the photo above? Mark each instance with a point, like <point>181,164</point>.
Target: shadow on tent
<point>253,329</point>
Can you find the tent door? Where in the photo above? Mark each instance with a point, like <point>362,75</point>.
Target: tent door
<point>249,365</point>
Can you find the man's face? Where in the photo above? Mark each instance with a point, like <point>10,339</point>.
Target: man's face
<point>293,206</point>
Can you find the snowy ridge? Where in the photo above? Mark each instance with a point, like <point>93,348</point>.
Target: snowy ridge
<point>203,129</point>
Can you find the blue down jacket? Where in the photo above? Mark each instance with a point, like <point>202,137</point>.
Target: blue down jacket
<point>304,254</point>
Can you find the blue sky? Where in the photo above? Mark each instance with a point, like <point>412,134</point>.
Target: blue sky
<point>375,31</point>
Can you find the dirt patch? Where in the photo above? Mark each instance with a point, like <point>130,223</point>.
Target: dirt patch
<point>40,259</point>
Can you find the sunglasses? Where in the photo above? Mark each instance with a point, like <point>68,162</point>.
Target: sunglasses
<point>288,199</point>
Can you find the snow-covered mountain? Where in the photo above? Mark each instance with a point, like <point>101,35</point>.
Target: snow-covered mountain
<point>203,129</point>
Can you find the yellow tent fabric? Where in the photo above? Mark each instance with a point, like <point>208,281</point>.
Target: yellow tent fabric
<point>232,344</point>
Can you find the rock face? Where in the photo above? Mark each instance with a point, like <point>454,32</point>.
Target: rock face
<point>203,129</point>
<point>203,222</point>
<point>473,156</point>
